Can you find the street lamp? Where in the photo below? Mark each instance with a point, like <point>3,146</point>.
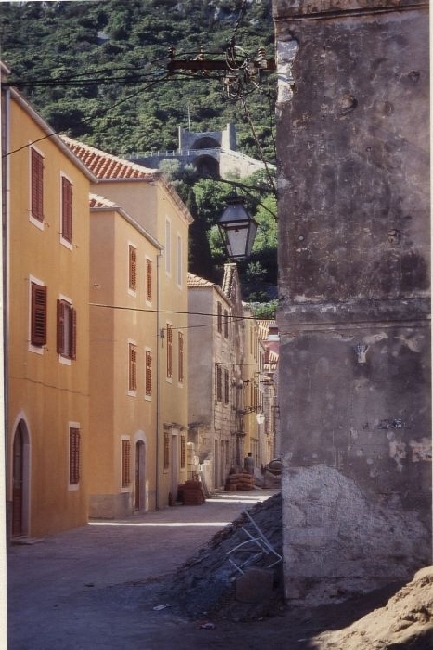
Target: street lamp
<point>237,228</point>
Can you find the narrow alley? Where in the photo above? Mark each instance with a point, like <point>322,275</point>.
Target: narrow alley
<point>97,586</point>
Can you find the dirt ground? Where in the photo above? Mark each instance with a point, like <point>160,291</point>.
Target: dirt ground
<point>154,582</point>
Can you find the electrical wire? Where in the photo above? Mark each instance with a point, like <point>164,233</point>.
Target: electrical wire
<point>231,317</point>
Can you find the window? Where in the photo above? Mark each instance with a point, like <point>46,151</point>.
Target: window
<point>169,351</point>
<point>37,206</point>
<point>180,357</point>
<point>148,373</point>
<point>219,383</point>
<point>179,260</point>
<point>132,368</point>
<point>226,324</point>
<point>132,268</point>
<point>74,455</point>
<point>219,317</point>
<point>182,452</point>
<point>166,450</point>
<point>66,207</point>
<point>126,463</point>
<point>66,329</point>
<point>167,246</point>
<point>38,335</point>
<point>226,387</point>
<point>149,280</point>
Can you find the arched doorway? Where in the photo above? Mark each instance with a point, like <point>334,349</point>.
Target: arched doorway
<point>20,481</point>
<point>140,476</point>
<point>207,166</point>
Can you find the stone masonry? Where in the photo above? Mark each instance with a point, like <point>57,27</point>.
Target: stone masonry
<point>354,260</point>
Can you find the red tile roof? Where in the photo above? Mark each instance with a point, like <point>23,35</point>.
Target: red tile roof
<point>105,166</point>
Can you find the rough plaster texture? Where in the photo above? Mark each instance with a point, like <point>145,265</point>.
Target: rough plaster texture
<point>327,515</point>
<point>354,260</point>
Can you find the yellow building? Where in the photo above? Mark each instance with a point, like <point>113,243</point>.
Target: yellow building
<point>47,349</point>
<point>154,206</point>
<point>123,342</point>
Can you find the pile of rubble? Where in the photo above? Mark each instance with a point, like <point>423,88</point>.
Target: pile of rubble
<point>238,574</point>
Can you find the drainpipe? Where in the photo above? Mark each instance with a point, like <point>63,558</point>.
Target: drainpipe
<point>158,390</point>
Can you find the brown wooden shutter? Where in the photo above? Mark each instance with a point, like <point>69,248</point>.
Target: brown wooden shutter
<point>166,450</point>
<point>132,367</point>
<point>126,463</point>
<point>169,351</point>
<point>149,280</point>
<point>226,387</point>
<point>182,452</point>
<point>219,383</point>
<point>74,455</point>
<point>180,357</point>
<point>73,333</point>
<point>66,209</point>
<point>148,373</point>
<point>61,308</point>
<point>39,315</point>
<point>37,186</point>
<point>132,268</point>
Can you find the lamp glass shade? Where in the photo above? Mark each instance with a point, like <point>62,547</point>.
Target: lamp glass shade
<point>238,229</point>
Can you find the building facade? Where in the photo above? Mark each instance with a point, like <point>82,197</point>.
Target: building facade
<point>46,235</point>
<point>123,341</point>
<point>211,368</point>
<point>157,209</point>
<point>354,262</point>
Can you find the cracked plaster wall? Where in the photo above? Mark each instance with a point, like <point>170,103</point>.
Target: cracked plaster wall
<point>354,261</point>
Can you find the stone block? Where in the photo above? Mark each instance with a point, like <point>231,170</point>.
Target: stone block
<point>255,586</point>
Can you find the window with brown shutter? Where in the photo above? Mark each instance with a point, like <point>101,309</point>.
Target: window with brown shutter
<point>66,329</point>
<point>37,185</point>
<point>226,387</point>
<point>132,381</point>
<point>219,383</point>
<point>39,315</point>
<point>180,357</point>
<point>149,280</point>
<point>182,452</point>
<point>126,463</point>
<point>66,209</point>
<point>74,455</point>
<point>169,351</point>
<point>132,268</point>
<point>166,450</point>
<point>148,373</point>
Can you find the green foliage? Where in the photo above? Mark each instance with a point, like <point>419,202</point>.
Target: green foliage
<point>127,103</point>
<point>42,41</point>
<point>264,310</point>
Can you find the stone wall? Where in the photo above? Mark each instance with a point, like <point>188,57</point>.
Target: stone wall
<point>354,264</point>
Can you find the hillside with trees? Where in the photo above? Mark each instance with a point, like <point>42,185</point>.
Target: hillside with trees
<point>97,70</point>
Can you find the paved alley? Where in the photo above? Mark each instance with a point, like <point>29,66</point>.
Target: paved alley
<point>82,589</point>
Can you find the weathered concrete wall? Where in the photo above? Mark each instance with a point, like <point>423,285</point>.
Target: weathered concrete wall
<point>354,208</point>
